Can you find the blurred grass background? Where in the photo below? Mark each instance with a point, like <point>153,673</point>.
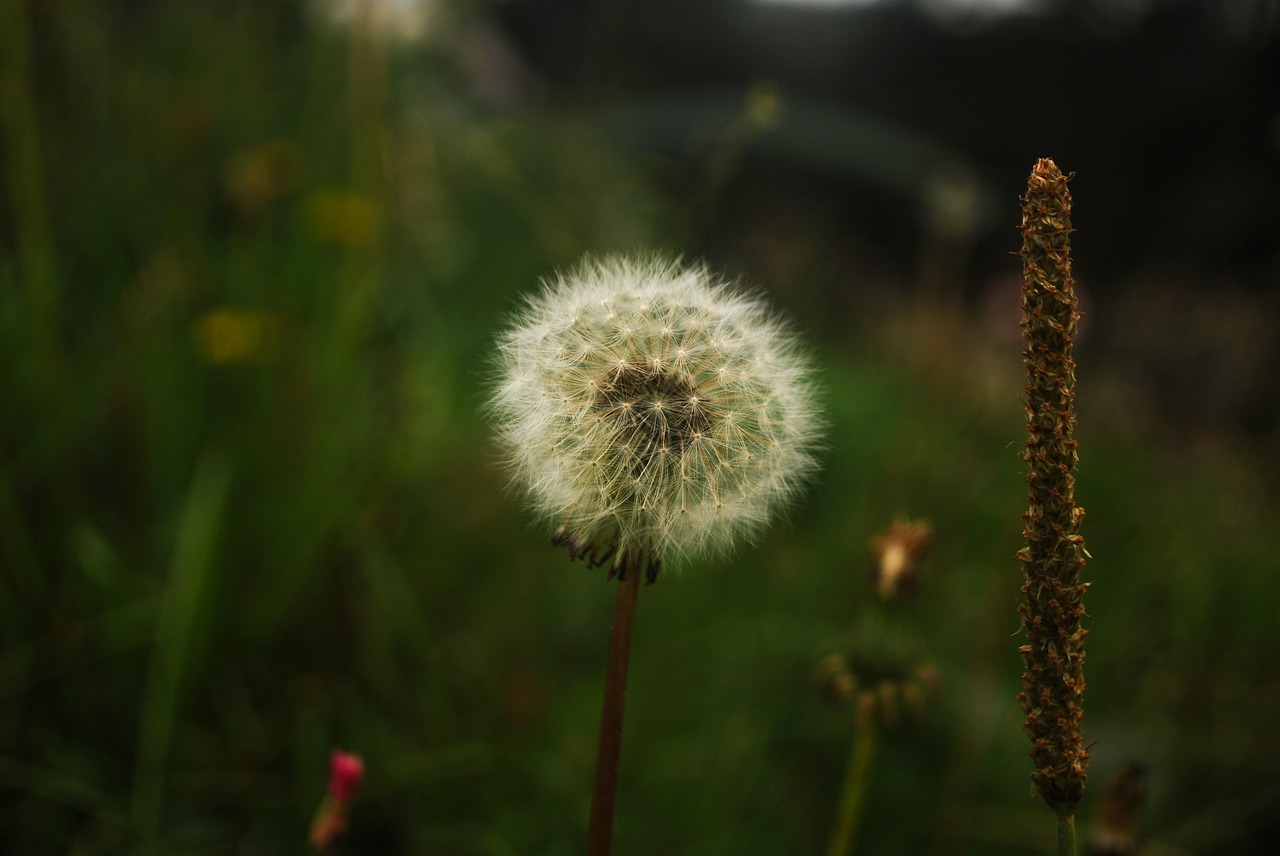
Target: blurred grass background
<point>252,257</point>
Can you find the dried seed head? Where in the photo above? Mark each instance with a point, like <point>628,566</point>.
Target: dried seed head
<point>887,693</point>
<point>1053,684</point>
<point>645,405</point>
<point>834,680</point>
<point>896,555</point>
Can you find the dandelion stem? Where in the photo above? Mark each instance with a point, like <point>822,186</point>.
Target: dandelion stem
<point>600,827</point>
<point>854,795</point>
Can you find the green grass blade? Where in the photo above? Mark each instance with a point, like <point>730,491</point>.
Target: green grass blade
<point>180,608</point>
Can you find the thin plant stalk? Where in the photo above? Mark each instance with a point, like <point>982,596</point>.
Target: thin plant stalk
<point>1066,835</point>
<point>853,796</point>
<point>23,169</point>
<point>600,826</point>
<point>185,596</point>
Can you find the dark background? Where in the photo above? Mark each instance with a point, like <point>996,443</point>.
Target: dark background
<point>1166,111</point>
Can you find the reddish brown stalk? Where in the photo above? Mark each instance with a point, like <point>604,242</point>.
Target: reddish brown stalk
<point>600,827</point>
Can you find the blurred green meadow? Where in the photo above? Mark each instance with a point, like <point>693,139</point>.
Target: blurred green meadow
<point>252,261</point>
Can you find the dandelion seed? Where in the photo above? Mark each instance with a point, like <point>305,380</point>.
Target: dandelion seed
<point>702,417</point>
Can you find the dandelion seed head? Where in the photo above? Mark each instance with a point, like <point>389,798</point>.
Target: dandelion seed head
<point>649,400</point>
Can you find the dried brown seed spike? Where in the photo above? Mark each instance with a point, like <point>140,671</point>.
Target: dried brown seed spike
<point>1054,555</point>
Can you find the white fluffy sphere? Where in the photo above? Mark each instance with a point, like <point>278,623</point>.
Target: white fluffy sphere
<point>647,405</point>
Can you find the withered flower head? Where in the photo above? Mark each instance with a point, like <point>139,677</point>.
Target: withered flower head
<point>896,555</point>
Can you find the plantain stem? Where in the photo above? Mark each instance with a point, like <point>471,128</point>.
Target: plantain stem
<point>1066,835</point>
<point>854,794</point>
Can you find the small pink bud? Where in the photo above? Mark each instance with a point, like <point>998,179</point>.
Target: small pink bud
<point>346,772</point>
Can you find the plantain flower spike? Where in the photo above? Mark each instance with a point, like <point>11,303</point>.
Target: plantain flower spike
<point>1054,555</point>
<point>647,408</point>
